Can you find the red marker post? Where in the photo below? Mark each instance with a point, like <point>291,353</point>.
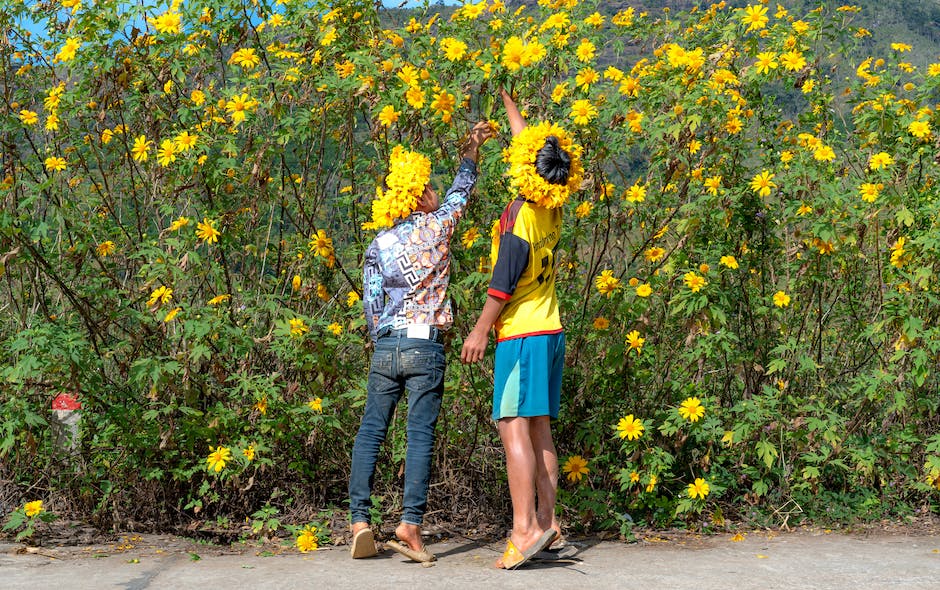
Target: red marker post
<point>66,417</point>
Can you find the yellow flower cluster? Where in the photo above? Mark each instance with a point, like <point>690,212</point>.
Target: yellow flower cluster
<point>523,176</point>
<point>409,172</point>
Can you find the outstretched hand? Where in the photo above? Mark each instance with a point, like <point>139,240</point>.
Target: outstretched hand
<point>478,136</point>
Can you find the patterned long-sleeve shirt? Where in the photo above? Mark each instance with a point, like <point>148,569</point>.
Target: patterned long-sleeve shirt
<point>407,267</point>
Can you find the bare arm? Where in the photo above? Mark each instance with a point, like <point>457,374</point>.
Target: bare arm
<point>474,347</point>
<point>516,122</point>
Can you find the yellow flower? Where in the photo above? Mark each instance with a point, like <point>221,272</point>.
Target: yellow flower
<point>443,104</point>
<point>692,409</point>
<point>388,115</point>
<point>870,191</point>
<point>652,484</point>
<point>755,17</point>
<point>781,299</point>
<point>219,299</point>
<point>320,244</point>
<point>335,328</point>
<point>630,428</point>
<point>141,148</point>
<point>296,282</point>
<point>469,237</point>
<point>880,160</point>
<point>454,49</point>
<point>601,323</point>
<point>322,292</point>
<point>524,178</point>
<point>205,231</point>
<point>316,404</point>
<point>519,54</point>
<point>168,22</point>
<point>804,209</point>
<point>585,51</point>
<point>167,152</point>
<point>694,281</point>
<point>171,314</point>
<point>262,406</point>
<point>576,467</point>
<point>698,489</point>
<point>793,61</point>
<point>606,282</point>
<point>824,153</point>
<point>105,248</point>
<point>249,452</point>
<point>198,97</point>
<point>919,129</point>
<point>32,508</point>
<point>635,342</point>
<point>307,540</point>
<point>415,97</point>
<point>55,164</point>
<point>636,193</point>
<point>352,298</point>
<point>245,58</point>
<point>67,53</point>
<point>409,173</point>
<point>584,209</point>
<point>185,141</point>
<point>583,112</point>
<point>161,294</point>
<point>298,327</point>
<point>179,223</point>
<point>654,254</point>
<point>766,61</point>
<point>728,438</point>
<point>28,117</point>
<point>106,136</point>
<point>218,458</point>
<point>584,78</point>
<point>239,106</point>
<point>763,183</point>
<point>900,47</point>
<point>595,20</point>
<point>644,290</point>
<point>728,261</point>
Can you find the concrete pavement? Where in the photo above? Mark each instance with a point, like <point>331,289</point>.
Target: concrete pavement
<point>761,560</point>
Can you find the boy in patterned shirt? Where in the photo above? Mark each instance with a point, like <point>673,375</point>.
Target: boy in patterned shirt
<point>405,278</point>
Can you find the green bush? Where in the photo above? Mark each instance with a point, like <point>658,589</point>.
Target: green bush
<point>749,269</point>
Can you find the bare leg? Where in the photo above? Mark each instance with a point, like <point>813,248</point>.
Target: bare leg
<point>521,466</point>
<point>546,464</point>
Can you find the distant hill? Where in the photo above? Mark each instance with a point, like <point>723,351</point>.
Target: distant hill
<point>915,22</point>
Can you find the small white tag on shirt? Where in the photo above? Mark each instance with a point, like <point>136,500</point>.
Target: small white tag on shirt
<point>387,239</point>
<point>419,331</point>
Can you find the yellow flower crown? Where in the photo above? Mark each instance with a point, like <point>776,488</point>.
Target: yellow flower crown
<point>525,179</point>
<point>408,174</point>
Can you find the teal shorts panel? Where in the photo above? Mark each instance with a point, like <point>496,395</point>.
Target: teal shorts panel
<point>527,376</point>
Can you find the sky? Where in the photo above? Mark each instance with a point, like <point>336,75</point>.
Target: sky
<point>39,31</point>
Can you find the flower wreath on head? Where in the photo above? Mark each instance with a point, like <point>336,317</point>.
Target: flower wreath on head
<point>523,176</point>
<point>408,174</point>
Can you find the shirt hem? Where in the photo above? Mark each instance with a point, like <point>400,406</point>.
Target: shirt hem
<point>540,333</point>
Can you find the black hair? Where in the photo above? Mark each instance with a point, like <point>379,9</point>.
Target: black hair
<point>552,162</point>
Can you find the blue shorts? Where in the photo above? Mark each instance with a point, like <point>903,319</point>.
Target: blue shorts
<point>527,376</point>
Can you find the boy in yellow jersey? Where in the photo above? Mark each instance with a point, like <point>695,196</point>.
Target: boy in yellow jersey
<point>522,305</point>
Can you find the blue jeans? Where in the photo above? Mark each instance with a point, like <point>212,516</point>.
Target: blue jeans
<point>399,363</point>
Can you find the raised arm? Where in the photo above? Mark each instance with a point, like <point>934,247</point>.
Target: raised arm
<point>516,122</point>
<point>478,135</point>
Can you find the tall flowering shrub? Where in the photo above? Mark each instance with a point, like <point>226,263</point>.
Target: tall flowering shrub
<point>749,268</point>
